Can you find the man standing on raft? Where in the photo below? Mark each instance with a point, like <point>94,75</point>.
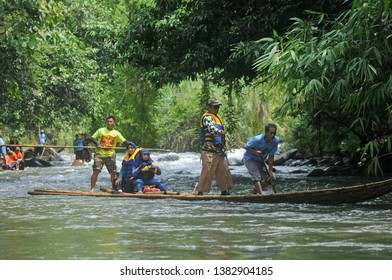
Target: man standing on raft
<point>105,139</point>
<point>213,146</point>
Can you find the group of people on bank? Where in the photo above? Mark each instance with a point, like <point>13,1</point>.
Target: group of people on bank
<point>138,169</point>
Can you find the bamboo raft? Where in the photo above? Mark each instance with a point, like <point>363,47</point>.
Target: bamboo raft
<point>333,196</point>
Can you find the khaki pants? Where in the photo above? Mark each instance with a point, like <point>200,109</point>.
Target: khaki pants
<point>214,164</point>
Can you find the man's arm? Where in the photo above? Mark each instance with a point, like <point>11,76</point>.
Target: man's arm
<point>253,151</point>
<point>95,142</point>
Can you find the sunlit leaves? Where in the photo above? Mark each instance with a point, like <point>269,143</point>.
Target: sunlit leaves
<point>47,74</point>
<point>342,68</point>
<point>24,26</point>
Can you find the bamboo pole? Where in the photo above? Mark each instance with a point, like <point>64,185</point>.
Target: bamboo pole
<point>71,147</point>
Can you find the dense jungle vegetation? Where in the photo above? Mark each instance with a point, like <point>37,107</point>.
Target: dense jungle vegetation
<point>321,70</point>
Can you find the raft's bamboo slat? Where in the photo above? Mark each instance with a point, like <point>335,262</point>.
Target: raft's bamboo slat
<point>333,196</point>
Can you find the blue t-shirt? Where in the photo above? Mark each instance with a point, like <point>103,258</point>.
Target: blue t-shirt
<point>41,138</point>
<point>258,143</point>
<point>3,150</point>
<point>78,142</point>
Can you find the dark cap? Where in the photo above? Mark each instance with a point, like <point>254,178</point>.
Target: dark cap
<point>214,102</point>
<point>131,144</point>
<point>145,151</point>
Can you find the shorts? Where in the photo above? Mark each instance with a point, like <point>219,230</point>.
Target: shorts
<point>256,170</point>
<point>109,162</point>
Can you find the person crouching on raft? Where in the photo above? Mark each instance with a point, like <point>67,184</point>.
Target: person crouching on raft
<point>259,149</point>
<point>125,177</point>
<point>144,172</point>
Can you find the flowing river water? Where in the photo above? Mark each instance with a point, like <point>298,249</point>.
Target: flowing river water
<point>103,228</point>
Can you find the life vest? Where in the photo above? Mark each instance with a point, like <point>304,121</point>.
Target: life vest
<point>208,137</point>
<point>18,155</point>
<point>9,159</point>
<point>129,162</point>
<point>147,173</point>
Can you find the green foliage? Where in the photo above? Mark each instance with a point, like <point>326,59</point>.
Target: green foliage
<point>175,40</point>
<point>66,65</point>
<point>178,116</point>
<point>340,72</point>
<point>24,26</point>
<point>132,100</point>
<point>98,24</point>
<point>56,62</point>
<point>65,69</point>
<point>172,41</point>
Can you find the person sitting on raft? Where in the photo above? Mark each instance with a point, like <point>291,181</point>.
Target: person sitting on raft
<point>19,156</point>
<point>10,161</point>
<point>124,180</point>
<point>144,172</point>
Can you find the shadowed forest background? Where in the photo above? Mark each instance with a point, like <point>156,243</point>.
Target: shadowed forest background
<point>320,70</point>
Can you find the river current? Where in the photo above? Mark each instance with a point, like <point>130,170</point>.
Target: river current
<point>102,228</point>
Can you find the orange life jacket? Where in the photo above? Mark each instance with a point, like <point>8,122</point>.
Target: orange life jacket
<point>18,154</point>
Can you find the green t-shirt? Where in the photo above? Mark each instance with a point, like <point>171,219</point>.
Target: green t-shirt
<point>108,138</point>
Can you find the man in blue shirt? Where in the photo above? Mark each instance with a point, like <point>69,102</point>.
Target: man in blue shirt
<point>259,149</point>
<point>78,148</point>
<point>3,150</point>
<point>41,137</point>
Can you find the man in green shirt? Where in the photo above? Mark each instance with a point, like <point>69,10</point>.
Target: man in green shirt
<point>106,139</point>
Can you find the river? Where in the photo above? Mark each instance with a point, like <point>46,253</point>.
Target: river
<point>92,228</point>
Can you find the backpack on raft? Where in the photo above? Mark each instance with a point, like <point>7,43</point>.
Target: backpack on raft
<point>148,189</point>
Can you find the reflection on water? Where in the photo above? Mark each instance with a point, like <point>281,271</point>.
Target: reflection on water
<point>55,227</point>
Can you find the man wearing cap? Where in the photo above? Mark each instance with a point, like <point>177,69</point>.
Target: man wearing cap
<point>106,139</point>
<point>213,157</point>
